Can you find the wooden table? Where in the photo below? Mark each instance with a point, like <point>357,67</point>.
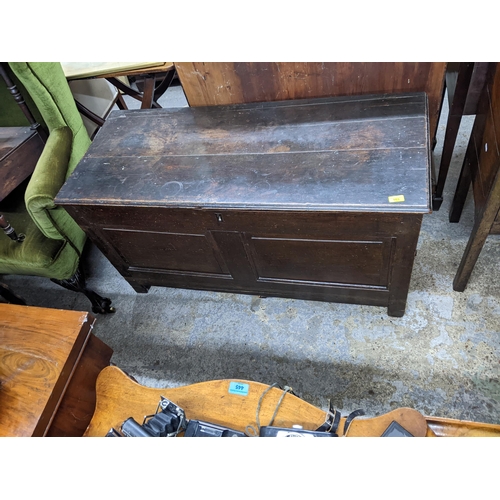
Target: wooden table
<point>221,83</point>
<point>481,169</point>
<point>119,397</point>
<point>20,149</point>
<point>49,362</point>
<point>316,199</point>
<point>111,71</point>
<point>464,85</point>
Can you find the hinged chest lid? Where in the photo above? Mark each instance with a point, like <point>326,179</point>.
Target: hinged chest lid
<point>332,154</point>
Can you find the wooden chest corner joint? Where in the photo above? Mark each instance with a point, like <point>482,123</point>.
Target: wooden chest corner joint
<point>316,199</point>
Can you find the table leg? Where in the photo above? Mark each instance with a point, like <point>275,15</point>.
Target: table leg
<point>164,85</point>
<point>481,230</point>
<point>463,184</point>
<point>130,91</point>
<point>475,244</point>
<point>149,90</point>
<point>120,102</point>
<point>452,127</point>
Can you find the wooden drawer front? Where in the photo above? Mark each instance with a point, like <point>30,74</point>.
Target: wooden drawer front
<point>321,261</point>
<point>312,225</point>
<point>166,251</point>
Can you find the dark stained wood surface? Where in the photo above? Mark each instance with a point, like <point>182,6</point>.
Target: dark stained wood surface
<point>11,137</point>
<point>488,148</point>
<point>481,167</point>
<point>287,199</point>
<point>78,404</point>
<point>41,350</point>
<point>221,83</point>
<point>343,154</point>
<point>20,149</point>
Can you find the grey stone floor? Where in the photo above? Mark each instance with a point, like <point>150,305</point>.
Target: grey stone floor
<point>441,358</point>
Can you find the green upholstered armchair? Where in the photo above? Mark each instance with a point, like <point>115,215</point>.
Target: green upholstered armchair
<point>54,242</point>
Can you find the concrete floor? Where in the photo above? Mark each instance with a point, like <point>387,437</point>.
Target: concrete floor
<point>441,358</point>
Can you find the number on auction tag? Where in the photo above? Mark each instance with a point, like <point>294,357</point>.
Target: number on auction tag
<point>238,388</point>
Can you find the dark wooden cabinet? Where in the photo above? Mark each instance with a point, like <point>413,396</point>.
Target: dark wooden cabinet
<point>289,199</point>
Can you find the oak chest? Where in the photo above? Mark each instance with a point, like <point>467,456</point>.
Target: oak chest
<point>317,199</point>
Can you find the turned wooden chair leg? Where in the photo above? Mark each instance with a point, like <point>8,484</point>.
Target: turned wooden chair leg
<point>10,231</point>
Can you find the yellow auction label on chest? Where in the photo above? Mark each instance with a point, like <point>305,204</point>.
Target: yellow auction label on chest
<point>396,199</point>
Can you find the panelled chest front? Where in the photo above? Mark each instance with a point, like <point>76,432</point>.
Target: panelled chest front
<point>317,199</point>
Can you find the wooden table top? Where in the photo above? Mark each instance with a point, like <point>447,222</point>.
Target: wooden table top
<point>14,169</point>
<point>39,349</point>
<point>328,154</point>
<point>79,70</point>
<point>119,397</point>
<point>11,138</point>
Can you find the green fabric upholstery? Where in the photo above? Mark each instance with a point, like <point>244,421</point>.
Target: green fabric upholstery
<point>54,242</point>
<point>50,91</point>
<point>36,255</point>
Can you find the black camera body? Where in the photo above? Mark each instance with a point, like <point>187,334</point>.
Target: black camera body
<point>198,428</point>
<point>295,431</point>
<point>169,421</point>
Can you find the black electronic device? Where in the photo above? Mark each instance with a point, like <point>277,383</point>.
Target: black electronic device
<point>198,428</point>
<point>130,428</point>
<point>295,431</point>
<point>113,433</point>
<point>170,421</point>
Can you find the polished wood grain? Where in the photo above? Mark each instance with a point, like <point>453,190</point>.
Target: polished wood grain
<point>447,427</point>
<point>120,397</point>
<point>288,198</point>
<point>219,83</point>
<point>47,374</point>
<point>78,403</point>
